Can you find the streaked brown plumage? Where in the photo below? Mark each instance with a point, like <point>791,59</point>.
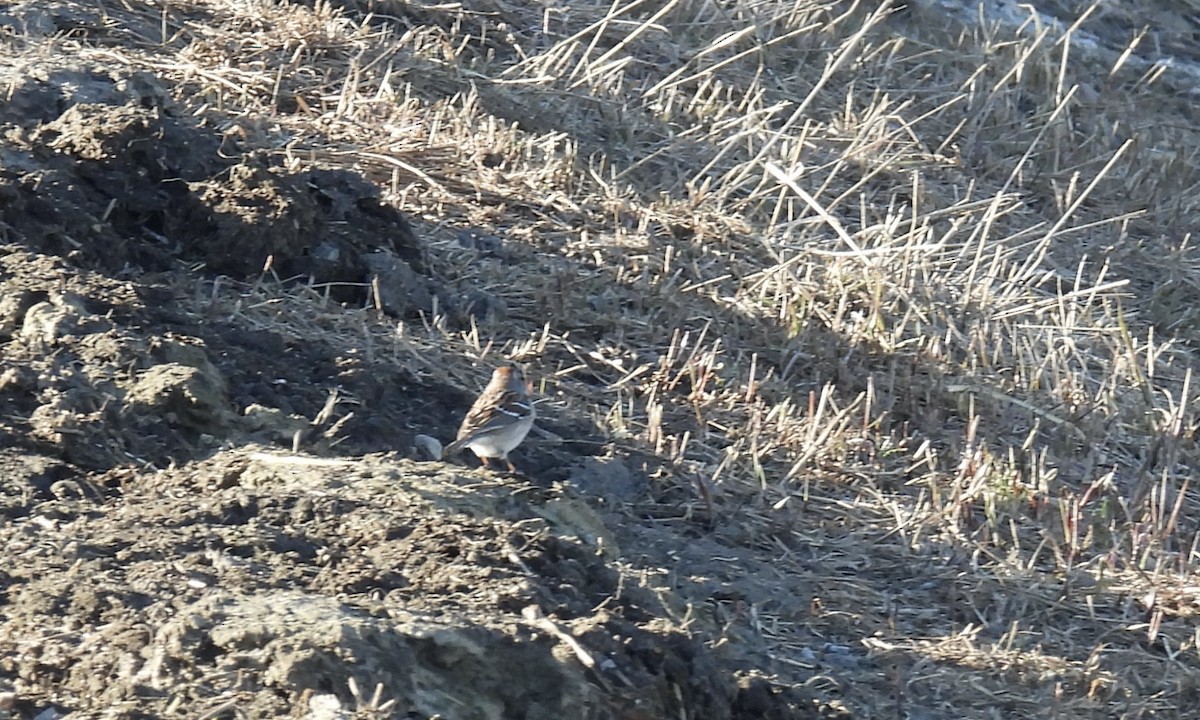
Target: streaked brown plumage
<point>499,420</point>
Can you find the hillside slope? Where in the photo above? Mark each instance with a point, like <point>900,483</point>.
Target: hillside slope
<point>863,337</point>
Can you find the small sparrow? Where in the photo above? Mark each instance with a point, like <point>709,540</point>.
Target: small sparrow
<point>499,420</point>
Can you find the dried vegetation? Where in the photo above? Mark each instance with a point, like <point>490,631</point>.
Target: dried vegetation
<point>911,306</point>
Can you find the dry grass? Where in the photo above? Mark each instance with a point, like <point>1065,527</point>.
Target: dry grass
<point>915,307</point>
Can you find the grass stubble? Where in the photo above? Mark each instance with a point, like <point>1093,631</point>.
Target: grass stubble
<point>909,300</point>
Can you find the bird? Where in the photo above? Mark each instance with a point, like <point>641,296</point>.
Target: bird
<point>499,420</point>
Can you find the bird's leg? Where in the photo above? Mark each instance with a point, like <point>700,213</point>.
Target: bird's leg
<point>485,460</point>
<point>512,468</point>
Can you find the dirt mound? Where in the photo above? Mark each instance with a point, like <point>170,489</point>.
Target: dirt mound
<point>274,581</point>
<point>122,181</point>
